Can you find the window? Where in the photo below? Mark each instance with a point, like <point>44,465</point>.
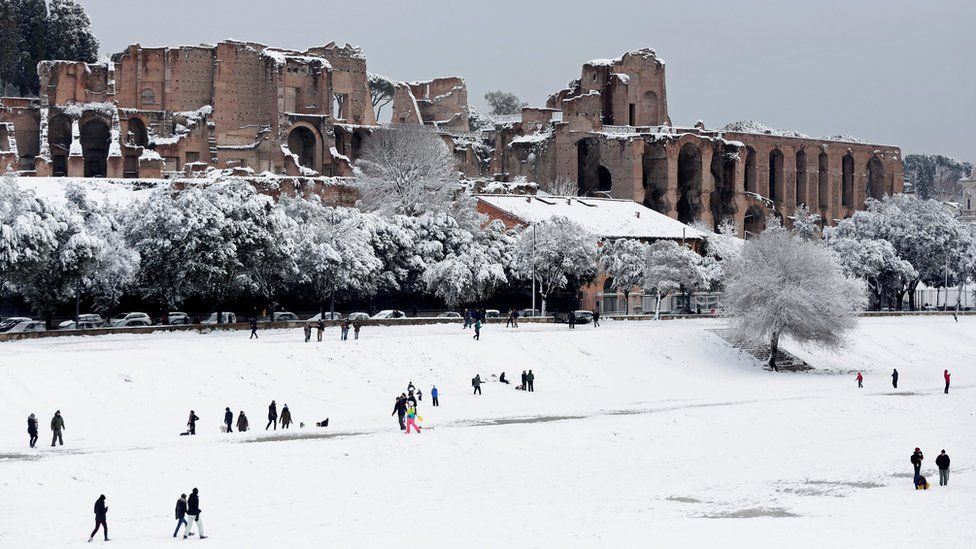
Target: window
<point>148,97</point>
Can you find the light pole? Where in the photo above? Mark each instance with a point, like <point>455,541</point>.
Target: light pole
<point>533,269</point>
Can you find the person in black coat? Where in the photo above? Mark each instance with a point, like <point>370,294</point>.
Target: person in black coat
<point>272,416</point>
<point>596,317</point>
<point>943,462</point>
<point>100,513</point>
<point>916,459</point>
<point>572,320</point>
<point>894,378</point>
<point>254,328</point>
<point>524,380</point>
<point>192,423</point>
<point>400,410</point>
<point>32,429</point>
<point>180,514</point>
<point>228,419</point>
<point>193,514</point>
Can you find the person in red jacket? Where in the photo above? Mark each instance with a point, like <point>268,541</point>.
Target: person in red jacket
<point>860,380</point>
<point>946,375</point>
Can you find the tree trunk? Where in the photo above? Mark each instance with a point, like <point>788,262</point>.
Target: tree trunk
<point>773,349</point>
<point>626,302</point>
<point>543,313</point>
<point>77,305</point>
<point>332,307</point>
<point>657,307</point>
<point>911,296</point>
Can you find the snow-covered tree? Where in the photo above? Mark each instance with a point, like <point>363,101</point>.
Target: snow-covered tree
<point>783,285</point>
<point>406,172</point>
<point>504,102</point>
<point>806,224</point>
<point>874,261</point>
<point>669,267</point>
<point>466,277</point>
<point>381,90</point>
<point>553,252</point>
<point>28,233</point>
<point>69,34</point>
<point>624,260</point>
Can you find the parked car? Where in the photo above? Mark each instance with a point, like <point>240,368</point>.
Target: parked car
<point>27,326</point>
<point>357,316</point>
<point>283,316</point>
<point>225,318</point>
<point>94,320</point>
<point>82,325</point>
<point>449,314</point>
<point>327,316</point>
<point>529,313</point>
<point>582,317</point>
<point>130,319</point>
<point>178,318</point>
<point>388,313</point>
<point>492,313</point>
<point>12,321</point>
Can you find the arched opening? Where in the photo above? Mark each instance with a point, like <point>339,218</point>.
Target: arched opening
<point>823,179</point>
<point>801,178</point>
<point>587,165</point>
<point>689,183</point>
<point>137,134</point>
<point>652,110</point>
<point>59,142</point>
<point>606,180</point>
<point>722,201</point>
<point>754,222</point>
<point>654,177</point>
<point>95,137</point>
<point>776,175</point>
<point>847,181</point>
<point>875,188</point>
<point>610,304</point>
<point>301,143</point>
<point>750,170</point>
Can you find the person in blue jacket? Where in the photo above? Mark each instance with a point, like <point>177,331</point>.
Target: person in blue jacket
<point>433,395</point>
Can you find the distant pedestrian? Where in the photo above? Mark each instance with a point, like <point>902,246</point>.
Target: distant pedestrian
<point>344,327</point>
<point>32,429</point>
<point>356,325</point>
<point>596,318</point>
<point>228,419</point>
<point>400,409</point>
<point>308,332</point>
<point>254,328</point>
<point>285,417</point>
<point>501,379</point>
<point>946,375</point>
<point>467,319</point>
<point>180,514</point>
<point>319,329</point>
<point>477,329</point>
<point>525,380</point>
<point>410,388</point>
<point>860,380</point>
<point>272,416</point>
<point>412,420</point>
<point>515,317</point>
<point>433,396</point>
<point>420,395</point>
<point>917,458</point>
<point>57,425</point>
<point>242,423</point>
<point>942,461</point>
<point>101,512</point>
<point>191,423</point>
<point>572,320</point>
<point>530,378</point>
<point>476,383</point>
<point>193,514</point>
<point>894,378</point>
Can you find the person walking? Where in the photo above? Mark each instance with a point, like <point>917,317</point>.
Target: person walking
<point>272,416</point>
<point>57,425</point>
<point>530,378</point>
<point>515,317</point>
<point>191,423</point>
<point>100,518</point>
<point>412,420</point>
<point>860,380</point>
<point>946,375</point>
<point>894,378</point>
<point>508,319</point>
<point>285,417</point>
<point>228,419</point>
<point>32,429</point>
<point>308,332</point>
<point>356,325</point>
<point>319,330</point>
<point>572,320</point>
<point>525,380</point>
<point>433,396</point>
<point>180,514</point>
<point>193,514</point>
<point>400,409</point>
<point>942,461</point>
<point>467,319</point>
<point>476,383</point>
<point>477,329</point>
<point>596,318</point>
<point>254,328</point>
<point>916,459</point>
<point>242,423</point>
<point>345,330</point>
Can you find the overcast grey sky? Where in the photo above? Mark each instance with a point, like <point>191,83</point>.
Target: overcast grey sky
<point>893,72</point>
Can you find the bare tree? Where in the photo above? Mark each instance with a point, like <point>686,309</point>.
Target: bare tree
<point>782,285</point>
<point>560,186</point>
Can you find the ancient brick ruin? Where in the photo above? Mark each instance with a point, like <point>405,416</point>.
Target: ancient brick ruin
<point>249,108</point>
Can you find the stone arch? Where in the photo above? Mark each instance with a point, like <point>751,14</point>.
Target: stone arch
<point>823,180</point>
<point>689,183</point>
<point>875,180</point>
<point>606,179</point>
<point>303,143</point>
<point>847,181</point>
<point>801,178</point>
<point>59,142</point>
<point>654,177</point>
<point>722,168</point>
<point>137,134</point>
<point>652,109</point>
<point>776,175</point>
<point>751,177</point>
<point>95,141</point>
<point>754,222</point>
<point>587,165</point>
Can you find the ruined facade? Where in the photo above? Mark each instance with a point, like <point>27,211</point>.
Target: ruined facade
<point>153,112</point>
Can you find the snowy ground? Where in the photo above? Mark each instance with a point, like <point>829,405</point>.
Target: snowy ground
<point>639,434</point>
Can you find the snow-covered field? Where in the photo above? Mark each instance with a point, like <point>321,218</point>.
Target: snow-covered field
<point>639,434</point>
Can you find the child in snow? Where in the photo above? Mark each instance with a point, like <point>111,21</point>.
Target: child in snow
<point>921,483</point>
<point>477,329</point>
<point>412,420</point>
<point>860,379</point>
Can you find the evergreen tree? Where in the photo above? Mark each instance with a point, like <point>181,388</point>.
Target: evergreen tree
<point>69,33</point>
<point>9,54</point>
<point>31,43</point>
